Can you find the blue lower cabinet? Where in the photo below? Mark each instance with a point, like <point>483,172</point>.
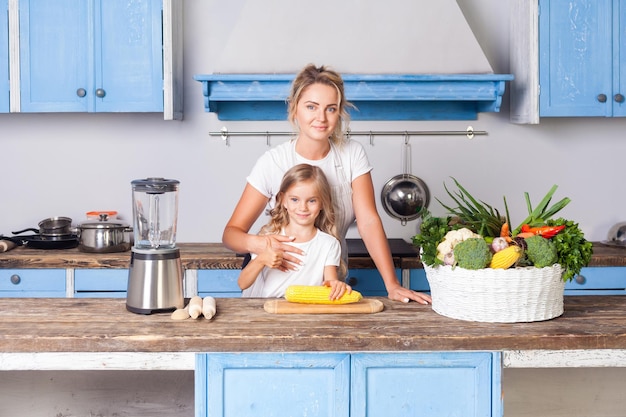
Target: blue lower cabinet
<point>466,384</point>
<point>32,283</point>
<point>272,384</point>
<point>418,281</point>
<point>218,283</point>
<point>608,280</point>
<point>369,281</point>
<point>100,283</point>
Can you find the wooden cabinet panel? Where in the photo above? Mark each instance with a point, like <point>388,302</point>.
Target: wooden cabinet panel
<point>268,384</point>
<point>218,283</point>
<point>4,56</point>
<point>368,281</point>
<point>97,283</point>
<point>598,281</point>
<point>32,282</point>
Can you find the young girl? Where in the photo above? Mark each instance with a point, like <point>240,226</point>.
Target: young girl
<point>303,211</point>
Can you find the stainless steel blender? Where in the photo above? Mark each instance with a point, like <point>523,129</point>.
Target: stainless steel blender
<point>155,277</point>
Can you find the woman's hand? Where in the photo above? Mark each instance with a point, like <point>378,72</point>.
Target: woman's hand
<point>338,288</point>
<point>279,244</point>
<point>399,293</point>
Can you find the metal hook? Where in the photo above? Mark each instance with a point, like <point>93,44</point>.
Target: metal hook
<point>470,132</point>
<point>267,138</point>
<point>225,136</point>
<point>371,138</point>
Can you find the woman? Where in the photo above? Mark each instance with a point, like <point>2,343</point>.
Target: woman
<point>304,210</point>
<point>317,107</point>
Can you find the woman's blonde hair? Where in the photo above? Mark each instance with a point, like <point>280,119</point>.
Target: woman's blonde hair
<point>325,221</point>
<point>310,75</point>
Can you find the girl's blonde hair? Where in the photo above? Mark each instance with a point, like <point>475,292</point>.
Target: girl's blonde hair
<point>310,75</point>
<point>325,221</point>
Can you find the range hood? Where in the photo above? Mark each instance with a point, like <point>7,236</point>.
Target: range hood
<point>376,96</point>
<point>422,59</point>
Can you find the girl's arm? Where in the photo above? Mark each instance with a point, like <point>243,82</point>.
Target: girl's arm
<point>371,229</point>
<point>269,258</point>
<point>236,236</point>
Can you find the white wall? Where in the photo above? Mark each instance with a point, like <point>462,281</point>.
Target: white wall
<point>67,164</point>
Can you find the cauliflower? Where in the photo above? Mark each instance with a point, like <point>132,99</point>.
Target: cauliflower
<point>473,253</point>
<point>541,251</point>
<point>445,249</point>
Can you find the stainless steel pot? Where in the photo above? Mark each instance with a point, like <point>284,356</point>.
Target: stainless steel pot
<point>405,196</point>
<point>104,236</point>
<point>52,228</point>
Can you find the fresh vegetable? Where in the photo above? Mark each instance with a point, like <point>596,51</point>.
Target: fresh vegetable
<point>450,240</point>
<point>318,294</point>
<point>498,244</point>
<point>432,231</point>
<point>539,215</point>
<point>472,253</point>
<point>574,252</point>
<point>540,251</point>
<point>506,258</point>
<point>545,231</point>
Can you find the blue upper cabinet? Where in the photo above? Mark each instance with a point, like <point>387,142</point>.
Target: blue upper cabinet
<point>581,71</point>
<point>91,56</point>
<point>4,56</point>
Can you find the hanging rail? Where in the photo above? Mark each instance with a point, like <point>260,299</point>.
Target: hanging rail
<point>469,133</point>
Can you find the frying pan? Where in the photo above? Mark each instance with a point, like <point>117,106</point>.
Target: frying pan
<point>51,227</point>
<point>405,196</point>
<point>39,242</point>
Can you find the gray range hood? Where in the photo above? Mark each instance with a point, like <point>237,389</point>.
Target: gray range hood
<point>376,96</point>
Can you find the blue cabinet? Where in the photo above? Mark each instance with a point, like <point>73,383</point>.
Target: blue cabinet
<point>32,283</point>
<point>609,280</point>
<point>369,281</point>
<point>91,56</point>
<point>464,384</point>
<point>4,56</point>
<point>582,67</point>
<point>100,283</point>
<point>218,283</point>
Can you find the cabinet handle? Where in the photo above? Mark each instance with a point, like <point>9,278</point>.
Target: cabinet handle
<point>100,93</point>
<point>81,92</point>
<point>15,279</point>
<point>619,98</point>
<point>602,98</point>
<point>580,279</point>
<point>352,281</point>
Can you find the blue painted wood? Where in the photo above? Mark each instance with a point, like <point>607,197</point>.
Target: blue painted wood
<point>369,281</point>
<point>579,57</point>
<point>218,283</point>
<point>418,281</point>
<point>113,45</point>
<point>4,57</point>
<point>464,384</point>
<point>377,97</point>
<point>598,281</point>
<point>33,283</point>
<point>100,283</point>
<point>272,384</point>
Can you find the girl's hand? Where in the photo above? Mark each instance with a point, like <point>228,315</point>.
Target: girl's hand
<point>338,288</point>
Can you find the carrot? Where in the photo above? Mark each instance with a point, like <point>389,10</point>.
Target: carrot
<point>505,232</point>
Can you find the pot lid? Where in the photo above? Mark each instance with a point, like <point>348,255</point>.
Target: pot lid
<point>103,223</point>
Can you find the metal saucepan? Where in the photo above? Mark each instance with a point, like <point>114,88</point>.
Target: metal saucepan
<point>405,196</point>
<point>104,236</point>
<point>52,228</point>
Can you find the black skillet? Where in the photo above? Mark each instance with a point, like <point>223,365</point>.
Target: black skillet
<point>39,242</point>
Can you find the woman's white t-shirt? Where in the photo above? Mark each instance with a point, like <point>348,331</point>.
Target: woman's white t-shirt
<point>321,251</point>
<point>343,164</point>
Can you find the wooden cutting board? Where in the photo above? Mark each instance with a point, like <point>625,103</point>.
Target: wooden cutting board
<point>365,305</point>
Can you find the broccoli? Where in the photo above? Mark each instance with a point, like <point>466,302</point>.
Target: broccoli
<point>472,253</point>
<point>540,251</point>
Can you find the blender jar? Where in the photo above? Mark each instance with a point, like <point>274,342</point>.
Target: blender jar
<point>155,210</point>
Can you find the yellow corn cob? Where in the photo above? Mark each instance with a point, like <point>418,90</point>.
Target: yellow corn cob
<point>318,294</point>
<point>506,257</point>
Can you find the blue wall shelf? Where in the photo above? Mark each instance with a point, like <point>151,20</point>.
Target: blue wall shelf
<point>377,97</point>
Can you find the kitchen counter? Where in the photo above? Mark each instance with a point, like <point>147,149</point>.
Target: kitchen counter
<point>216,256</point>
<point>241,325</point>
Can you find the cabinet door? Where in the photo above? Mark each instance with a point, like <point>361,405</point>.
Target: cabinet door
<point>218,283</point>
<point>576,58</point>
<point>129,69</point>
<point>430,384</point>
<point>54,55</point>
<point>32,283</point>
<point>100,283</point>
<point>268,384</point>
<point>598,281</point>
<point>369,281</point>
<point>90,56</point>
<point>4,56</point>
<point>619,83</point>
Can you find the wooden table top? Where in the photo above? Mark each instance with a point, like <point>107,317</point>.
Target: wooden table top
<point>241,325</point>
<point>216,256</point>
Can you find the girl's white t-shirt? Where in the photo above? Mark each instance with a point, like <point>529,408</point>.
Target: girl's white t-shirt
<point>320,251</point>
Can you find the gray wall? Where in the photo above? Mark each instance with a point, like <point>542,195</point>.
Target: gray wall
<point>67,164</point>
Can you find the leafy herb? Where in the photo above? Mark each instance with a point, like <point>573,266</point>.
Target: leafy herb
<point>574,252</point>
<point>542,213</point>
<point>432,231</point>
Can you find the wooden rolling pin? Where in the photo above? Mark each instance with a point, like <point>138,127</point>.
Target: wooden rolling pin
<point>6,245</point>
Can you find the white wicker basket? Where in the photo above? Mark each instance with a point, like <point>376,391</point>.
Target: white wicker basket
<point>497,295</point>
